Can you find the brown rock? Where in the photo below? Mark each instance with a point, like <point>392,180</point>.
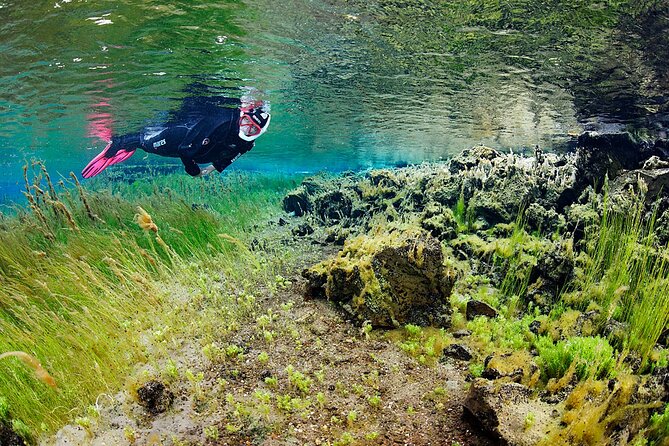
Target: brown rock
<point>389,279</point>
<point>509,412</point>
<point>478,308</point>
<point>155,397</point>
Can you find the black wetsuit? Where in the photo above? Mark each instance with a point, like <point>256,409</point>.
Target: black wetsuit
<point>197,139</point>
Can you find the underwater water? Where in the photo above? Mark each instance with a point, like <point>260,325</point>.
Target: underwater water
<point>353,84</point>
<point>335,286</point>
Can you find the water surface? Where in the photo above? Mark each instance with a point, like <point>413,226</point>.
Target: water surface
<point>353,84</point>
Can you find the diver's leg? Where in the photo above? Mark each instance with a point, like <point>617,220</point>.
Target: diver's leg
<point>164,140</point>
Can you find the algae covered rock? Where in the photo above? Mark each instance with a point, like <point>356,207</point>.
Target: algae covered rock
<point>389,279</point>
<point>509,412</point>
<point>297,202</point>
<point>440,221</point>
<point>477,308</point>
<point>155,397</point>
<point>333,206</point>
<point>458,351</point>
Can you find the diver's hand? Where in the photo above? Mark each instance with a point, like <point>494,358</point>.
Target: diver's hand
<point>207,170</point>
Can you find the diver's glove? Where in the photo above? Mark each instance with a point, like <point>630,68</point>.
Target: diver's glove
<point>206,171</point>
<point>118,149</point>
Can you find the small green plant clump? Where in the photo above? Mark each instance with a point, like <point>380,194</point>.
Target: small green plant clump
<point>593,357</point>
<point>424,344</point>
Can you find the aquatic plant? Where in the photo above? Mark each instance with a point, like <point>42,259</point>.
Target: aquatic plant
<point>591,357</point>
<point>658,428</point>
<point>40,372</point>
<point>626,274</point>
<point>81,282</point>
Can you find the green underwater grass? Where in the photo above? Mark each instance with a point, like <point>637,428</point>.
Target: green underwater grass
<point>625,272</point>
<point>621,271</point>
<point>80,279</point>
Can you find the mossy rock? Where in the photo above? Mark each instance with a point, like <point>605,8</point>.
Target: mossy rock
<point>388,279</point>
<point>517,367</point>
<point>297,202</point>
<point>444,188</point>
<point>385,178</point>
<point>440,221</point>
<point>547,221</point>
<point>503,203</point>
<point>470,158</point>
<point>334,206</point>
<point>314,185</point>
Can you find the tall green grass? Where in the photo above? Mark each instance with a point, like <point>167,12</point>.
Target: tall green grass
<point>80,279</point>
<point>626,273</point>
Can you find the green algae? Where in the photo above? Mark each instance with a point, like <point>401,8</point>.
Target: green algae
<point>81,281</point>
<point>593,356</point>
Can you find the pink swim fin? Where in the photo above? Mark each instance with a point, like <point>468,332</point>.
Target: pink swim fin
<point>104,160</point>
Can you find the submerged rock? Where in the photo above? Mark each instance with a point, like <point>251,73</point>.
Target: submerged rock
<point>517,367</point>
<point>334,206</point>
<point>9,438</point>
<point>477,308</point>
<point>155,397</point>
<point>651,182</point>
<point>508,412</point>
<point>461,333</point>
<point>440,221</point>
<point>539,218</point>
<point>458,351</point>
<point>388,279</point>
<point>302,229</point>
<point>297,202</point>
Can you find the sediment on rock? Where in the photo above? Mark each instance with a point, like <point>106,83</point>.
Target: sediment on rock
<point>509,412</point>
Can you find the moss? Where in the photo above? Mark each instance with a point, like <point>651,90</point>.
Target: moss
<point>501,334</point>
<point>582,419</point>
<point>517,366</point>
<point>440,221</point>
<point>658,429</point>
<point>566,326</point>
<point>590,357</point>
<point>595,409</point>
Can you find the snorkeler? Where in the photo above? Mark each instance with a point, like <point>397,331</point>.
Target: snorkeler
<point>208,135</point>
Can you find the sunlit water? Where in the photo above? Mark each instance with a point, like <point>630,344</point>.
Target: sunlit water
<point>352,84</point>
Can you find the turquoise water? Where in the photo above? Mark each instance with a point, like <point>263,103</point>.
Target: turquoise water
<point>352,84</point>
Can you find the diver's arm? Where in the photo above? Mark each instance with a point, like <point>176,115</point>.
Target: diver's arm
<point>191,167</point>
<point>222,163</point>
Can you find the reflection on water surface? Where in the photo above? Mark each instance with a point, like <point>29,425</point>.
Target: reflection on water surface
<point>352,83</point>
